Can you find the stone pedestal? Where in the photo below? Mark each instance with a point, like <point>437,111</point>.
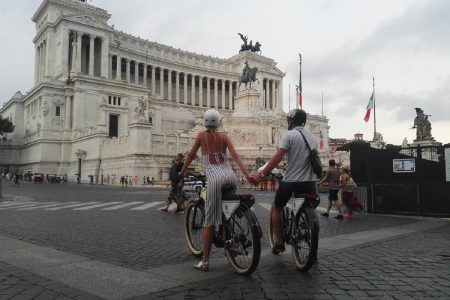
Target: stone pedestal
<point>246,103</point>
<point>424,143</point>
<point>140,137</point>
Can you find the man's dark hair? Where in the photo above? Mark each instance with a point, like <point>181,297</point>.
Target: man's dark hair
<point>332,162</point>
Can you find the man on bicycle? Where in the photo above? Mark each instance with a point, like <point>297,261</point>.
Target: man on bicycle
<point>299,175</point>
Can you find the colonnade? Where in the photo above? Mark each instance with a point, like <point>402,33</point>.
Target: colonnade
<point>173,85</point>
<point>88,54</point>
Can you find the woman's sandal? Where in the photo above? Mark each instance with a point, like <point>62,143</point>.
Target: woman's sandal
<point>164,209</point>
<point>202,266</point>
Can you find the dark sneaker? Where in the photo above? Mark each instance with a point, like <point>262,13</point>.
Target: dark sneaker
<point>325,214</point>
<point>278,248</point>
<point>339,217</point>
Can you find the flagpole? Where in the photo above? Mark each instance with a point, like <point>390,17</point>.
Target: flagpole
<point>300,96</point>
<point>374,112</point>
<point>322,103</point>
<point>289,96</point>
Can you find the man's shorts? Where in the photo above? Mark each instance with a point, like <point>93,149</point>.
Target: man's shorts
<point>176,189</point>
<point>333,195</point>
<point>286,189</point>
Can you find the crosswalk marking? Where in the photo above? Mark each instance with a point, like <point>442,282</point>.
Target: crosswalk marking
<point>15,203</point>
<point>122,205</point>
<point>70,206</point>
<point>266,205</point>
<point>146,206</point>
<point>44,206</point>
<point>96,205</point>
<point>27,205</point>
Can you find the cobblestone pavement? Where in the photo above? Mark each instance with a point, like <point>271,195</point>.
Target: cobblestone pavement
<point>414,265</point>
<point>16,283</point>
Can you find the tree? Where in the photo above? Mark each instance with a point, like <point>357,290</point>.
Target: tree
<point>5,125</point>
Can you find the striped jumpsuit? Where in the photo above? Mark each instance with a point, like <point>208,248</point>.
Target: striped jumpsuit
<point>219,173</point>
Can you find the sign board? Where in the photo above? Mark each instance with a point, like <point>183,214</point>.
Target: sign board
<point>447,164</point>
<point>404,165</point>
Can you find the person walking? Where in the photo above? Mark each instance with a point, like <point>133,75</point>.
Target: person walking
<point>16,180</point>
<point>348,185</point>
<point>176,184</point>
<point>332,178</point>
<point>214,145</point>
<point>299,175</point>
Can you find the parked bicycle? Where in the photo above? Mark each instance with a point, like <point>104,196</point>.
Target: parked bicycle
<point>240,233</point>
<point>300,229</point>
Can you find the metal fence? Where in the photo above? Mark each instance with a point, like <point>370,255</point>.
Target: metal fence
<point>423,191</point>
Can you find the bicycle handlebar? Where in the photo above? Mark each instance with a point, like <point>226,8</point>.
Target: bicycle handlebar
<point>198,177</point>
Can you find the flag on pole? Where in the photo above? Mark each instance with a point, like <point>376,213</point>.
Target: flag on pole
<point>369,108</point>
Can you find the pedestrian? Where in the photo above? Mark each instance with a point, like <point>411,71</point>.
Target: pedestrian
<point>299,175</point>
<point>348,185</point>
<point>176,184</point>
<point>16,179</point>
<point>332,178</point>
<point>152,181</point>
<point>213,145</point>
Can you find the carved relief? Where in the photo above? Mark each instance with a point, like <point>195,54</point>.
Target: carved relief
<point>44,108</point>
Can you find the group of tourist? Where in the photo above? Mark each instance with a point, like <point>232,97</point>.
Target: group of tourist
<point>341,187</point>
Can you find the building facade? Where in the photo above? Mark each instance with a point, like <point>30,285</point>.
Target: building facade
<point>106,102</point>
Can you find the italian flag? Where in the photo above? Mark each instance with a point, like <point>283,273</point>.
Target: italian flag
<point>369,108</point>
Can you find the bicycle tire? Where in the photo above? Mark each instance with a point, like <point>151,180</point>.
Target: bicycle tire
<point>194,217</point>
<point>305,238</point>
<point>243,242</point>
<point>283,228</point>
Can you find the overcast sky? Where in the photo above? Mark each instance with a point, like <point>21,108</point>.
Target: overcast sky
<point>404,44</point>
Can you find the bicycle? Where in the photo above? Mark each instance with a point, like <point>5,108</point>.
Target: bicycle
<point>240,233</point>
<point>300,229</point>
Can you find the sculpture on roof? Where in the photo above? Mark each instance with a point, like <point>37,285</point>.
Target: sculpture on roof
<point>422,126</point>
<point>249,46</point>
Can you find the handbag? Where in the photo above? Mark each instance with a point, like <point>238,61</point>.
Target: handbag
<point>316,163</point>
<point>351,185</point>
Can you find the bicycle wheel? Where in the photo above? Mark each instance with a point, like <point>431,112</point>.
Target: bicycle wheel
<point>305,238</point>
<point>243,243</point>
<point>193,224</point>
<point>284,226</point>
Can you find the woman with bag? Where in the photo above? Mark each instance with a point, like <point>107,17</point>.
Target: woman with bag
<point>348,185</point>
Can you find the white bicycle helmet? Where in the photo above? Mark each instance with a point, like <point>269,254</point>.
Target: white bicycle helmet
<point>211,118</point>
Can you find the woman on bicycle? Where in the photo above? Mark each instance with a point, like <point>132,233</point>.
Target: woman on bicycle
<point>213,145</point>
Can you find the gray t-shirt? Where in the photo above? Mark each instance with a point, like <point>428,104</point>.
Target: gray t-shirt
<point>298,166</point>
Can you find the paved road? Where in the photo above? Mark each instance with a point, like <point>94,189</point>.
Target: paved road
<point>80,241</point>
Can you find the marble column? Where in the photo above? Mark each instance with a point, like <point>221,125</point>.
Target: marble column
<point>41,61</point>
<point>68,121</point>
<point>161,82</point>
<point>119,67</point>
<point>79,48</point>
<point>216,93</point>
<point>177,86</point>
<point>144,79</point>
<point>105,69</point>
<point>230,95</point>
<point>223,94</point>
<point>185,98</point>
<point>74,56</point>
<point>200,91</point>
<point>272,99</point>
<point>266,104</point>
<point>169,85</point>
<point>65,52</point>
<point>91,55</point>
<point>153,80</point>
<point>128,70</point>
<point>193,90</point>
<point>36,65</point>
<point>136,72</point>
<point>208,92</point>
